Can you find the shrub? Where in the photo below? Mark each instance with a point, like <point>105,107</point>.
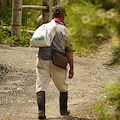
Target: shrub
<point>110,108</point>
<point>3,33</point>
<point>85,26</point>
<point>91,22</point>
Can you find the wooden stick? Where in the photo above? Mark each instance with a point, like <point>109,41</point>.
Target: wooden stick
<point>35,7</point>
<point>9,29</point>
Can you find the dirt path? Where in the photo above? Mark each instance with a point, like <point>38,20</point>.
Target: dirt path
<point>17,85</point>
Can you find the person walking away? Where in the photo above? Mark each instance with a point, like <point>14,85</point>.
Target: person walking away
<point>45,69</point>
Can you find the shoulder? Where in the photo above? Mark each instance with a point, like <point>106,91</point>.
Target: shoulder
<point>62,28</point>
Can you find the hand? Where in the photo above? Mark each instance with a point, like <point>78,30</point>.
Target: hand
<point>71,73</point>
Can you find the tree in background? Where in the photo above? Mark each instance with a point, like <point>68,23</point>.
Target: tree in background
<point>6,11</point>
<point>3,5</point>
<point>113,14</point>
<point>28,22</point>
<point>109,109</point>
<point>92,22</point>
<point>55,2</point>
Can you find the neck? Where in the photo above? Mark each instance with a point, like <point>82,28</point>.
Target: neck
<point>59,20</point>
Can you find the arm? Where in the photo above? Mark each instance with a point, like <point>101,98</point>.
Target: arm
<point>70,60</point>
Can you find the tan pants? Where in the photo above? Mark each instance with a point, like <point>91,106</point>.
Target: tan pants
<point>45,70</point>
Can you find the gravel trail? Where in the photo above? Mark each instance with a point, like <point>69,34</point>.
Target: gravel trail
<point>17,85</point>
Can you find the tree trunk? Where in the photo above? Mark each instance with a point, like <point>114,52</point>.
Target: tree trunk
<point>55,2</point>
<point>3,4</point>
<point>16,18</point>
<point>47,14</point>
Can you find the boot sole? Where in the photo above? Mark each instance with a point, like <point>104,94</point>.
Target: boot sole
<point>65,112</point>
<point>41,117</point>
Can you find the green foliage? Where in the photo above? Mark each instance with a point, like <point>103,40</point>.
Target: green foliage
<point>6,16</point>
<point>91,22</point>
<point>29,20</point>
<point>5,37</point>
<point>25,40</point>
<point>28,23</point>
<point>84,26</point>
<point>3,33</point>
<point>32,2</point>
<point>110,108</point>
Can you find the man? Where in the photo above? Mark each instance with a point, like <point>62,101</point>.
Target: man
<point>46,70</point>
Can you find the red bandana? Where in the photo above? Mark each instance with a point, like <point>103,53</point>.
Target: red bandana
<point>59,20</point>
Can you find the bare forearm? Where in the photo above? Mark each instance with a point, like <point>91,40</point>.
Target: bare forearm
<point>70,60</point>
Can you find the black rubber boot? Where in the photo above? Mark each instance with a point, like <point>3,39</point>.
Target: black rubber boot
<point>63,103</point>
<point>41,104</point>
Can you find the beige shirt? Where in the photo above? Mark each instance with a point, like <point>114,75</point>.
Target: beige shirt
<point>62,42</point>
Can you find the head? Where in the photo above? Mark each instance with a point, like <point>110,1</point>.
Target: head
<point>59,11</point>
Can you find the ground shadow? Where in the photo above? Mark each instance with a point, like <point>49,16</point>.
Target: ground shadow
<point>5,46</point>
<point>68,118</point>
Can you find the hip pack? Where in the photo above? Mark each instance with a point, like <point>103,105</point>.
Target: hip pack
<point>59,59</point>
